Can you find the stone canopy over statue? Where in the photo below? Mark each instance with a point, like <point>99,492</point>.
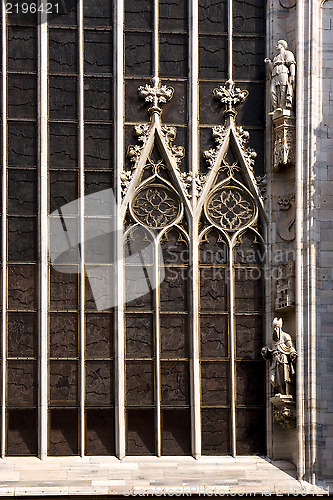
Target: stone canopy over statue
<point>283,70</point>
<point>282,356</point>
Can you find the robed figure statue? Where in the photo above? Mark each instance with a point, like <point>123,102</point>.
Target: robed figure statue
<point>283,70</point>
<point>282,355</point>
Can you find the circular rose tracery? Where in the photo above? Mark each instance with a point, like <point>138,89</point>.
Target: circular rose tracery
<point>156,206</point>
<point>230,208</point>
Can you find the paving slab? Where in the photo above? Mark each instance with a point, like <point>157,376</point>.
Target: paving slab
<point>108,475</point>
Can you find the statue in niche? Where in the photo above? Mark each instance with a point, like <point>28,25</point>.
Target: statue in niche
<point>282,356</point>
<point>283,69</point>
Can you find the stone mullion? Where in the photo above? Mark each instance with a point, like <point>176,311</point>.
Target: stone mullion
<point>43,288</point>
<point>157,334</point>
<point>81,229</point>
<point>194,246</point>
<point>118,240</point>
<point>232,352</point>
<point>4,233</point>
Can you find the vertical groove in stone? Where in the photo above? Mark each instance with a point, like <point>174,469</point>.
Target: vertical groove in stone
<point>299,236</point>
<point>268,238</point>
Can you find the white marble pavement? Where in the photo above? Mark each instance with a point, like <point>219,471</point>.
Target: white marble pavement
<point>166,476</point>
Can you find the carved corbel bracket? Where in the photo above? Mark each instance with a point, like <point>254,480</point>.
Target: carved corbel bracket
<point>284,139</point>
<point>284,410</point>
<point>262,185</point>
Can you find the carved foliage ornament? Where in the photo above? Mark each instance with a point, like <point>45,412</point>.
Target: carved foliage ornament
<point>142,132</point>
<point>219,133</point>
<point>169,133</point>
<point>188,178</point>
<point>230,95</point>
<point>125,180</point>
<point>155,95</point>
<point>230,208</point>
<point>134,152</point>
<point>249,153</point>
<point>262,185</point>
<point>284,143</point>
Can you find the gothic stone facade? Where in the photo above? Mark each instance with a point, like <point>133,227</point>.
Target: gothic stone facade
<point>165,104</point>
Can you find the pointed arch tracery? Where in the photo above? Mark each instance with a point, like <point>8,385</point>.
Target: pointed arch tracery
<point>230,216</point>
<point>155,200</point>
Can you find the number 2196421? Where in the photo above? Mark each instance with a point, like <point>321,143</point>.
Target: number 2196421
<point>32,8</point>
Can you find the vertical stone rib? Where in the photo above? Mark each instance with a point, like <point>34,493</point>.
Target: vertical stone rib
<point>119,260</point>
<point>230,45</point>
<point>43,231</point>
<point>4,232</point>
<point>81,227</point>
<point>232,349</point>
<point>194,162</point>
<point>299,237</point>
<point>156,46</point>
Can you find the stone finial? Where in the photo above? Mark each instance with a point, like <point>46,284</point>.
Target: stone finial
<point>230,95</point>
<point>156,95</point>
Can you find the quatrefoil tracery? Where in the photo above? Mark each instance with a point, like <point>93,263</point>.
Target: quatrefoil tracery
<point>230,208</point>
<point>156,206</point>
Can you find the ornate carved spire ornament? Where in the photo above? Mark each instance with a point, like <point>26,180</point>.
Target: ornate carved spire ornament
<point>153,134</point>
<point>156,95</point>
<point>231,134</point>
<point>230,96</point>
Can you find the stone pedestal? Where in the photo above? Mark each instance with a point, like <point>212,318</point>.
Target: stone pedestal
<point>284,131</point>
<point>284,410</point>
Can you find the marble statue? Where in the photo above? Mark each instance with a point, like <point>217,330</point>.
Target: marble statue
<point>282,355</point>
<point>283,69</point>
